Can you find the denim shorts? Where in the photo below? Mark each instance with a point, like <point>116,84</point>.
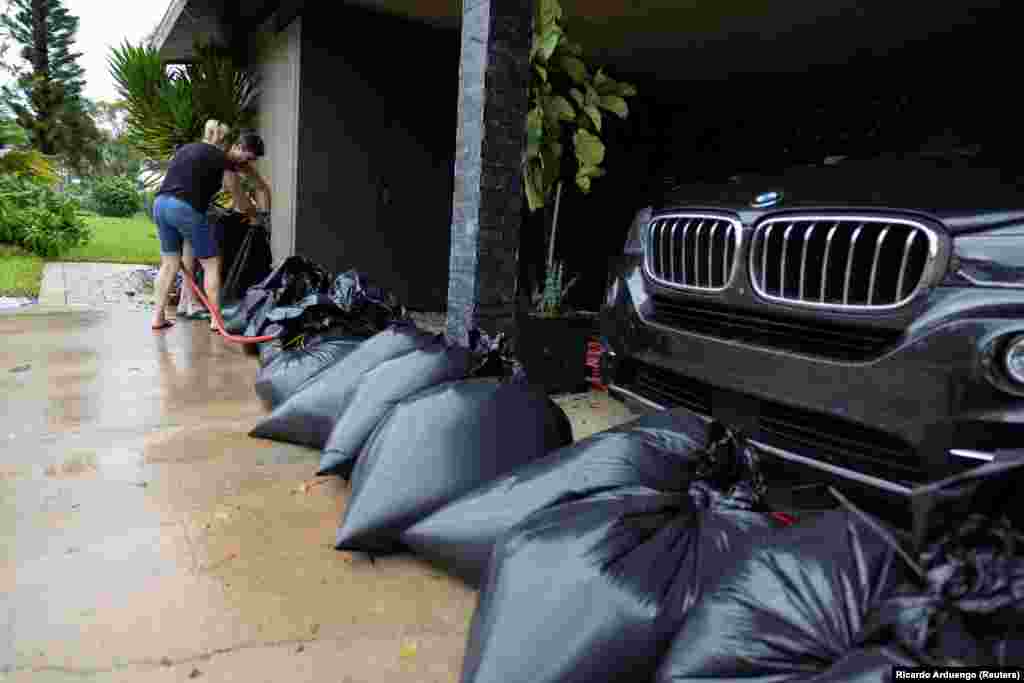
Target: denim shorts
<point>177,221</point>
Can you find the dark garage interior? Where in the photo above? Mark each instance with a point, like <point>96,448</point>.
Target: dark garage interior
<point>757,97</point>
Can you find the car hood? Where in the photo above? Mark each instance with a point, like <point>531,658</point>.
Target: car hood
<point>964,196</point>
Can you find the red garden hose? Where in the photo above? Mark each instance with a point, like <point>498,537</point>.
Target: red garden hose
<point>216,315</point>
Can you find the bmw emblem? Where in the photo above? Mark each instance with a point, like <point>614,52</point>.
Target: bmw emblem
<point>766,199</point>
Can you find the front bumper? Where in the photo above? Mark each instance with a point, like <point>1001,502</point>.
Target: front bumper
<point>921,411</point>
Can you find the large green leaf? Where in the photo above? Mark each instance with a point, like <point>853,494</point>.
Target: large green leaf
<point>542,72</point>
<point>559,108</point>
<point>545,44</point>
<point>533,181</point>
<point>615,104</point>
<point>626,90</point>
<point>551,156</point>
<point>589,148</point>
<point>549,12</point>
<point>578,96</point>
<point>585,176</point>
<point>534,132</point>
<point>594,114</point>
<point>575,68</point>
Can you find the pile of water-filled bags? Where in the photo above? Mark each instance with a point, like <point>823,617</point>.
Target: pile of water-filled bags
<point>646,552</point>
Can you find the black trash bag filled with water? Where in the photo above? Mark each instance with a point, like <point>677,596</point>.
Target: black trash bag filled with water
<point>247,262</point>
<point>964,603</point>
<point>308,416</point>
<point>379,389</point>
<point>315,313</point>
<point>310,336</point>
<point>296,366</point>
<point>438,444</point>
<point>256,303</point>
<point>594,589</point>
<point>294,280</point>
<point>650,451</point>
<point>364,300</point>
<point>793,608</point>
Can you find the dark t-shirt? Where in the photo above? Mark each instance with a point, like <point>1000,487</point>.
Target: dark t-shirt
<point>196,174</point>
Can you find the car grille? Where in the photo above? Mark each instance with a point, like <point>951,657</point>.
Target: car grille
<point>841,262</point>
<point>815,338</point>
<point>812,434</point>
<point>692,251</point>
<point>839,442</point>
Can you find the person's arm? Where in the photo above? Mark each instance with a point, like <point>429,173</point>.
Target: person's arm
<point>242,204</point>
<point>262,187</point>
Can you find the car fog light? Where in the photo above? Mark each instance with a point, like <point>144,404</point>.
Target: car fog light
<point>1014,359</point>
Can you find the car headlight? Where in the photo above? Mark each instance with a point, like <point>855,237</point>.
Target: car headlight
<point>987,261</point>
<point>635,239</point>
<point>1013,359</point>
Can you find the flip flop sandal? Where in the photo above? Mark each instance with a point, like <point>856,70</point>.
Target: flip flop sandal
<point>167,324</point>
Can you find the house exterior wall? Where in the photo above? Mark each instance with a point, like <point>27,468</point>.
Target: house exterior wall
<point>376,149</point>
<point>280,108</point>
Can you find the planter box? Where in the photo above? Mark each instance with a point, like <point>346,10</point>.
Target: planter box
<point>553,351</point>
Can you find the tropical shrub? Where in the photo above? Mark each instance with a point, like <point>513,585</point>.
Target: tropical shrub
<point>40,219</point>
<point>115,196</point>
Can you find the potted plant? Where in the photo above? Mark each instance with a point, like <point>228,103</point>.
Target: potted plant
<point>568,101</point>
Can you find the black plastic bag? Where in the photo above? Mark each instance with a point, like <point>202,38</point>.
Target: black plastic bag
<point>964,603</point>
<point>285,287</point>
<point>368,306</point>
<point>356,294</point>
<point>377,392</point>
<point>310,336</point>
<point>256,302</point>
<point>595,589</point>
<point>308,416</point>
<point>491,358</point>
<point>793,607</point>
<point>294,367</point>
<point>438,444</point>
<point>251,262</point>
<point>656,450</point>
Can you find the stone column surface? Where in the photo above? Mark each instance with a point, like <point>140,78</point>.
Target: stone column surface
<point>494,74</point>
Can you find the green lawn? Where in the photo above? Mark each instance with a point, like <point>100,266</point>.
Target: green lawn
<point>114,240</point>
<point>119,240</point>
<point>20,272</point>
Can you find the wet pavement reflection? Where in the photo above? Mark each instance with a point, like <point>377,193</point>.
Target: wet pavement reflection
<point>147,537</point>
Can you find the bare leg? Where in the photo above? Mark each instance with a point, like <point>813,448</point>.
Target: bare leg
<point>169,265</point>
<point>211,283</point>
<point>185,298</point>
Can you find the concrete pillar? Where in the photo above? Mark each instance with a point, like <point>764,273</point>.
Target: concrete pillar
<point>494,76</point>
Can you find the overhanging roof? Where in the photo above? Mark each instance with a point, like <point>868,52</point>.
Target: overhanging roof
<point>674,40</point>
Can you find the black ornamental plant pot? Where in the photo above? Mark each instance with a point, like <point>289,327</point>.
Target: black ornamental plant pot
<point>553,350</point>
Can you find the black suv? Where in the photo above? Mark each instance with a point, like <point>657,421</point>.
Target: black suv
<point>861,321</point>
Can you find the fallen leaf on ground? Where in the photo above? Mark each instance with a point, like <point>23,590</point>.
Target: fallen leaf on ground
<point>408,650</point>
<point>196,673</point>
<point>307,486</point>
<point>166,661</point>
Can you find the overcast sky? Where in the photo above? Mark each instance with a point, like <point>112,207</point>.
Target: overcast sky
<point>107,23</point>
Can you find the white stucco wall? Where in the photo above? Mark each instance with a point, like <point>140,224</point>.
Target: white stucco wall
<point>280,68</point>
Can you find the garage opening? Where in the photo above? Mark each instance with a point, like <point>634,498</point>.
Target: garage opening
<point>760,97</point>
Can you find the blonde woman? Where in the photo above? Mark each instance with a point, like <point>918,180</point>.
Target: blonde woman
<point>194,177</point>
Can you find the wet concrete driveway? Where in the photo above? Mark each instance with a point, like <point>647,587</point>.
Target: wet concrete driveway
<point>146,537</point>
